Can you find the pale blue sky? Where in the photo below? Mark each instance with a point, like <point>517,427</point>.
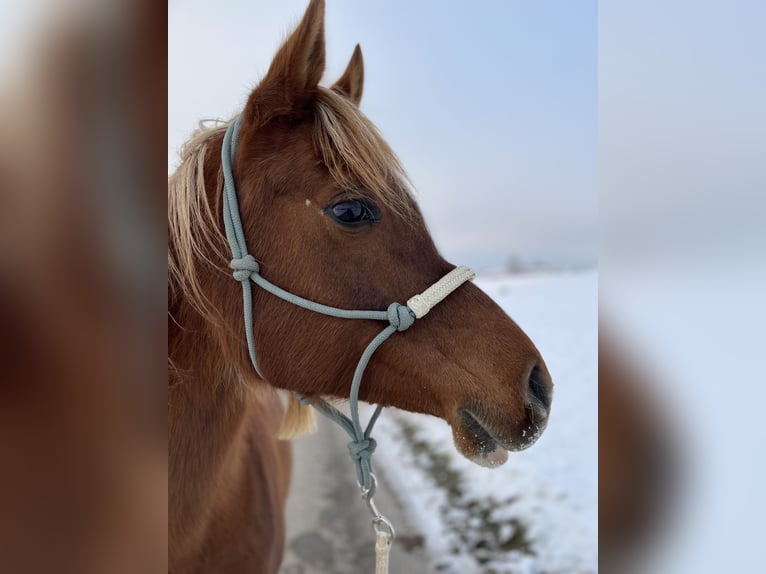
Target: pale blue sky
<point>682,127</point>
<point>492,106</point>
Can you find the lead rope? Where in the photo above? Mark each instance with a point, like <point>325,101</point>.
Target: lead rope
<point>382,550</point>
<point>399,317</point>
<point>384,530</point>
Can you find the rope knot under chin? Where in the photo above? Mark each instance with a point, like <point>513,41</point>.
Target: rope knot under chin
<point>400,316</point>
<point>362,449</point>
<point>244,267</point>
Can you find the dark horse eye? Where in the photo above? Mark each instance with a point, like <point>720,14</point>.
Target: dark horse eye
<point>355,212</point>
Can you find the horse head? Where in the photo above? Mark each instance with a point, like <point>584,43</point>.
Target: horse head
<point>328,212</point>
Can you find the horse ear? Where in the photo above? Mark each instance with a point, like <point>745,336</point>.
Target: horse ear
<point>298,66</point>
<point>351,83</point>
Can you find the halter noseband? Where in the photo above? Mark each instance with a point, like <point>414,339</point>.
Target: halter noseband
<point>399,317</point>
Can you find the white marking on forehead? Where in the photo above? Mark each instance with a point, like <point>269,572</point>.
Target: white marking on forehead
<point>308,202</point>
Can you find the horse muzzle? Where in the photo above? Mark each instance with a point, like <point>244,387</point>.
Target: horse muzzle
<point>485,433</point>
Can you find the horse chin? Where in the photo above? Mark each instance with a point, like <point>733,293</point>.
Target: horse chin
<point>492,459</point>
<point>476,440</point>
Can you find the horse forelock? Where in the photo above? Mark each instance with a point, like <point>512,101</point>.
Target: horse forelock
<point>356,155</point>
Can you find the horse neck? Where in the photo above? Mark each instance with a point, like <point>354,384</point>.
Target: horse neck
<point>207,412</point>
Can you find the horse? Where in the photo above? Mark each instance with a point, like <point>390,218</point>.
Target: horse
<point>328,211</point>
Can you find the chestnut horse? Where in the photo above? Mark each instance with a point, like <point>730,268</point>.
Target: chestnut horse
<point>327,210</point>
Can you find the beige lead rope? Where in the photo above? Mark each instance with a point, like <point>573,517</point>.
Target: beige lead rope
<point>384,530</point>
<point>382,550</point>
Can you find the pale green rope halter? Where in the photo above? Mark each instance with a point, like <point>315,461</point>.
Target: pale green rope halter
<point>399,317</point>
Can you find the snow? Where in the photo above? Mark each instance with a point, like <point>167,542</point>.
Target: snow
<point>538,513</point>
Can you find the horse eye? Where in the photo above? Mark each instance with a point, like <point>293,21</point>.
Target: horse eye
<point>355,212</point>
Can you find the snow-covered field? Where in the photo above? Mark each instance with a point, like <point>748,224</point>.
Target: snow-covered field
<point>538,513</point>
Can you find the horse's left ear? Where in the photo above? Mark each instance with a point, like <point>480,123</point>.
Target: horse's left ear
<point>351,83</point>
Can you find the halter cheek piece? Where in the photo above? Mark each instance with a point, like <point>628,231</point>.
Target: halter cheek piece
<point>399,318</point>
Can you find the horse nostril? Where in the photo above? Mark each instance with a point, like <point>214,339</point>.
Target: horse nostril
<point>540,386</point>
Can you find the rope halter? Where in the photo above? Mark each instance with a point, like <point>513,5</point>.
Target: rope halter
<point>246,270</point>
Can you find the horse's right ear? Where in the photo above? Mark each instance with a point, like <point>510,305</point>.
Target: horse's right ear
<point>295,71</point>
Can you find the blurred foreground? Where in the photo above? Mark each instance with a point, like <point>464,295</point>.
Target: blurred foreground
<point>82,411</point>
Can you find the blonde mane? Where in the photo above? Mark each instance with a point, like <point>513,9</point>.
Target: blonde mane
<point>349,145</point>
<point>193,228</point>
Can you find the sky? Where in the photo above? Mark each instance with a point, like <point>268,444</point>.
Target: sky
<point>682,129</point>
<point>491,106</point>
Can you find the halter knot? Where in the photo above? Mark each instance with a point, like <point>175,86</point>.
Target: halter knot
<point>362,449</point>
<point>244,267</point>
<point>401,317</point>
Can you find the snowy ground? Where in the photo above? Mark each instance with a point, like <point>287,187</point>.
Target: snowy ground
<point>538,513</point>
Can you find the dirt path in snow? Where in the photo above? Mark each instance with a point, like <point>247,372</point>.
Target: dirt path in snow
<point>328,525</point>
